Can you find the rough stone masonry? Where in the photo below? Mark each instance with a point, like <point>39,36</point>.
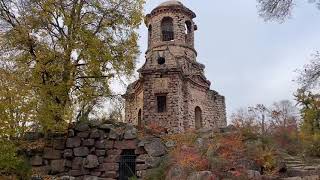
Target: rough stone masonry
<point>172,90</point>
<point>94,151</point>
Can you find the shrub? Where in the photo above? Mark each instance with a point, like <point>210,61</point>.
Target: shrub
<point>190,158</point>
<point>312,145</point>
<point>11,163</point>
<point>288,140</point>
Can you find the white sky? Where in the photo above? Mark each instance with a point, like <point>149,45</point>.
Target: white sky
<point>248,60</point>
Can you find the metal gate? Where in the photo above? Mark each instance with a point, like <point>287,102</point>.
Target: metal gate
<point>127,165</point>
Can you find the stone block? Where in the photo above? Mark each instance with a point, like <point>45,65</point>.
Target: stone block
<point>73,142</point>
<point>100,159</point>
<point>36,160</point>
<point>106,127</point>
<point>112,159</point>
<point>82,127</point>
<point>91,162</point>
<point>75,173</point>
<point>83,134</point>
<point>100,144</point>
<point>68,153</point>
<point>88,142</point>
<point>111,166</point>
<point>109,144</point>
<point>110,174</point>
<point>155,148</point>
<point>140,167</point>
<point>150,161</point>
<point>50,153</point>
<point>140,150</point>
<point>68,163</point>
<point>95,134</point>
<point>113,152</point>
<point>81,151</point>
<point>100,152</point>
<point>57,166</point>
<point>59,144</point>
<point>77,163</point>
<point>130,133</point>
<point>113,135</point>
<point>95,173</point>
<point>90,177</point>
<point>125,144</point>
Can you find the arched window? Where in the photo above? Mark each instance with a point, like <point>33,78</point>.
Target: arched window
<point>139,118</point>
<point>188,27</point>
<point>167,29</point>
<point>198,117</point>
<point>149,34</point>
<point>188,30</point>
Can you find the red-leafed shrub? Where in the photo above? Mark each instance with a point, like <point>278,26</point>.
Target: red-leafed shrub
<point>190,158</point>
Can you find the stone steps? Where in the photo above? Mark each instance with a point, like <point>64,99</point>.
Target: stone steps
<point>299,169</point>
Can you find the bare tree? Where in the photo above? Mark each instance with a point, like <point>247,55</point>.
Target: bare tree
<point>278,10</point>
<point>275,9</point>
<point>284,114</point>
<point>310,74</point>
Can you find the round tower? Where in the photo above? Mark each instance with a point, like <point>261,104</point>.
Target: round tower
<point>171,25</point>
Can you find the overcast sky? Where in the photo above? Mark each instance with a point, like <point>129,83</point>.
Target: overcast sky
<point>248,60</point>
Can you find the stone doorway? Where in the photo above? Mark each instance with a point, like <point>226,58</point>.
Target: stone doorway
<point>198,117</point>
<point>127,165</point>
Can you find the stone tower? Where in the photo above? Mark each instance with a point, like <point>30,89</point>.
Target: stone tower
<point>172,90</point>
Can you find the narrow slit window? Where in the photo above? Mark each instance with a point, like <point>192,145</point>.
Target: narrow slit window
<point>162,104</point>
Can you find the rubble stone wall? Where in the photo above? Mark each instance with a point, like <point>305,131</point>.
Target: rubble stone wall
<point>93,151</point>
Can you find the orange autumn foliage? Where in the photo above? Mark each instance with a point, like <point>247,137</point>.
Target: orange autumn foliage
<point>231,147</point>
<point>190,158</point>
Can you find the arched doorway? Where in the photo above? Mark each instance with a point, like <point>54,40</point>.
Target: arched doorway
<point>198,117</point>
<point>139,118</point>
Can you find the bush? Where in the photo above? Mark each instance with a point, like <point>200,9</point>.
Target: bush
<point>312,145</point>
<point>11,163</point>
<point>190,159</point>
<point>288,140</point>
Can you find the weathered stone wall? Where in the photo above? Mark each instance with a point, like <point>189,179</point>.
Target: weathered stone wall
<point>169,119</point>
<point>133,104</point>
<point>93,151</point>
<point>211,104</point>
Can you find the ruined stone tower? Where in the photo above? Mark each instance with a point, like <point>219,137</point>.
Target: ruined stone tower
<point>172,90</point>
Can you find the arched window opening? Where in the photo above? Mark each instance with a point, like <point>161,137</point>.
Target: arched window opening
<point>188,30</point>
<point>188,27</point>
<point>198,117</point>
<point>140,118</point>
<point>167,29</point>
<point>149,34</point>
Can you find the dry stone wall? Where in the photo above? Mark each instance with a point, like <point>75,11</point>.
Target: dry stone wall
<point>92,151</point>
